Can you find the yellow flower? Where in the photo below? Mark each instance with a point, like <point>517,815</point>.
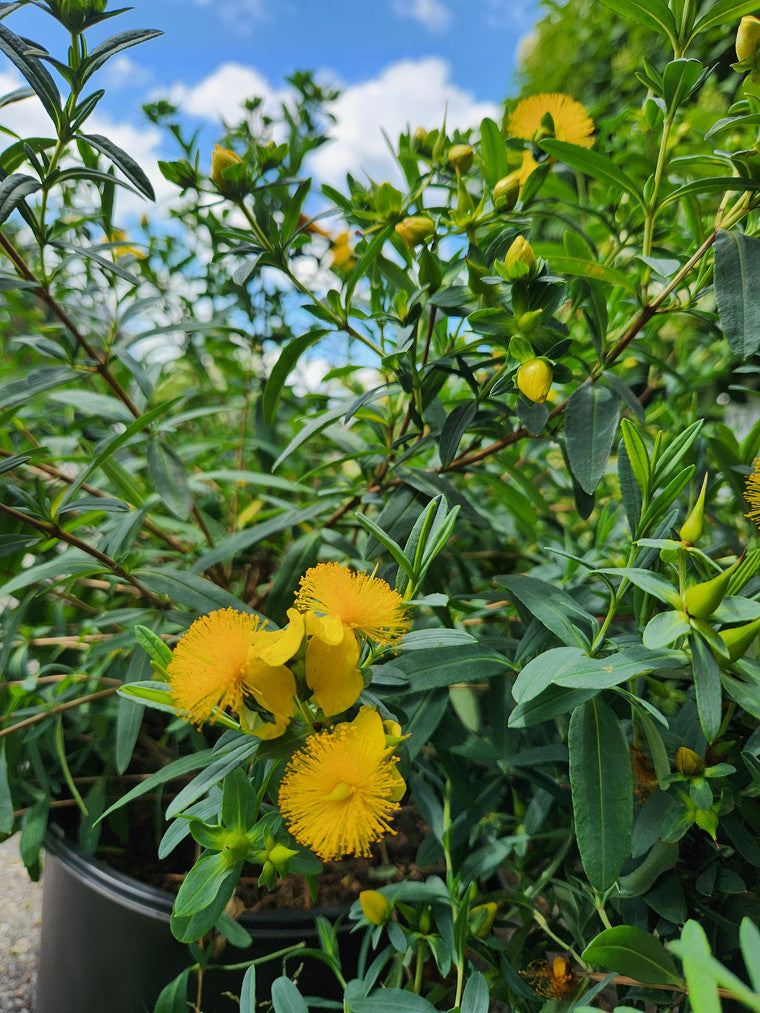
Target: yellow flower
<point>124,248</point>
<point>365,604</point>
<point>752,492</point>
<point>375,906</point>
<point>552,115</point>
<point>340,789</point>
<point>227,660</point>
<point>342,605</point>
<point>343,255</point>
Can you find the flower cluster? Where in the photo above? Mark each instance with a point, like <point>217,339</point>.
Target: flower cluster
<point>341,787</point>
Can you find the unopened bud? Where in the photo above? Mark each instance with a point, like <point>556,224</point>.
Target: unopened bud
<point>739,639</point>
<point>482,918</point>
<point>691,529</point>
<point>520,260</point>
<point>701,600</point>
<point>415,230</point>
<point>375,906</point>
<point>689,763</point>
<point>747,39</point>
<point>221,159</point>
<point>420,138</point>
<point>506,192</point>
<point>460,157</point>
<point>534,380</point>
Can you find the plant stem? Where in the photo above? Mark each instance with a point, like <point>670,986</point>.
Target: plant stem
<point>35,718</point>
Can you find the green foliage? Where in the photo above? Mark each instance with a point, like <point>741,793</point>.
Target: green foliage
<point>578,699</point>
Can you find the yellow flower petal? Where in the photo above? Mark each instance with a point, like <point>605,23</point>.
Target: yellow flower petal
<point>336,792</point>
<point>570,120</point>
<point>283,644</point>
<point>274,688</point>
<point>333,674</point>
<point>329,629</point>
<point>365,604</point>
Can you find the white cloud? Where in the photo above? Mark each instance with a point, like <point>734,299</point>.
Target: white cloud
<point>410,93</point>
<point>220,95</point>
<point>431,14</point>
<point>122,72</point>
<point>243,14</point>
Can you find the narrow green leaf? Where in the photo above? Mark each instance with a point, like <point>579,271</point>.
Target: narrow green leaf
<point>629,950</point>
<point>315,425</point>
<point>123,162</point>
<point>15,48</point>
<point>707,686</point>
<point>542,670</point>
<point>13,190</point>
<point>591,420</point>
<point>493,151</point>
<point>652,14</point>
<point>602,788</point>
<point>553,701</point>
<point>722,12</point>
<point>749,939</point>
<point>456,425</point>
<point>445,666</point>
<point>129,716</point>
<point>476,995</point>
<point>737,282</point>
<point>286,362</point>
<point>553,608</point>
<point>638,456</point>
<point>6,801</point>
<point>115,44</point>
<point>694,951</point>
<point>153,645</point>
<point>594,164</point>
<point>679,79</point>
<point>168,475</point>
<point>648,581</point>
<point>592,270</point>
<point>248,991</point>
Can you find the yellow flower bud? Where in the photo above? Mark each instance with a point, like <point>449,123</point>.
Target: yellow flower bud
<point>460,157</point>
<point>506,192</point>
<point>689,763</point>
<point>748,39</point>
<point>691,529</point>
<point>415,230</point>
<point>221,159</point>
<point>520,260</point>
<point>420,137</point>
<point>375,906</point>
<point>482,917</point>
<point>534,380</point>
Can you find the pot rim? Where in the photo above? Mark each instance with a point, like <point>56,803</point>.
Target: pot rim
<point>152,900</point>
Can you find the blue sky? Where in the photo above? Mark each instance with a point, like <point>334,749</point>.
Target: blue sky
<point>399,62</point>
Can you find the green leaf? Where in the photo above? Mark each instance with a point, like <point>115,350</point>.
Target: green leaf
<point>286,998</point>
<point>242,749</point>
<point>602,788</point>
<point>694,951</point>
<point>123,162</point>
<point>391,1000</point>
<point>594,164</point>
<point>552,606</point>
<point>233,931</point>
<point>204,893</point>
<point>591,420</point>
<point>16,48</point>
<point>168,475</point>
<point>707,686</point>
<point>629,950</point>
<point>493,152</point>
<point>129,717</point>
<point>286,362</point>
<point>173,997</point>
<point>115,44</point>
<point>188,589</point>
<point>650,582</point>
<point>476,995</point>
<point>73,561</point>
<point>315,424</point>
<point>13,190</point>
<point>679,79</point>
<point>541,671</point>
<point>248,991</point>
<point>749,939</point>
<point>456,425</point>
<point>239,807</point>
<point>737,283</point>
<point>653,14</point>
<point>590,269</point>
<point>553,701</point>
<point>179,768</point>
<point>229,547</point>
<point>722,12</point>
<point>445,666</point>
<point>664,628</point>
<point>153,645</point>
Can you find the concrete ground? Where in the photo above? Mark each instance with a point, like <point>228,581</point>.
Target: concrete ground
<point>20,912</point>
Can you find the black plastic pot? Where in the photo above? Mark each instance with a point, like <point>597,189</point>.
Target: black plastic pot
<point>106,945</point>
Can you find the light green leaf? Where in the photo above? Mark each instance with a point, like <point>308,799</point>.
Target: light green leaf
<point>602,788</point>
<point>722,12</point>
<point>664,628</point>
<point>286,998</point>
<point>593,163</point>
<point>694,951</point>
<point>707,686</point>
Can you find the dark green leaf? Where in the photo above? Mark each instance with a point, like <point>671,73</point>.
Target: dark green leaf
<point>553,607</point>
<point>456,425</point>
<point>593,163</point>
<point>123,161</point>
<point>707,686</point>
<point>286,998</point>
<point>168,475</point>
<point>13,190</point>
<point>286,362</point>
<point>591,421</point>
<point>173,997</point>
<point>602,789</point>
<point>493,152</point>
<point>15,48</point>
<point>737,290</point>
<point>629,950</point>
<point>445,666</point>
